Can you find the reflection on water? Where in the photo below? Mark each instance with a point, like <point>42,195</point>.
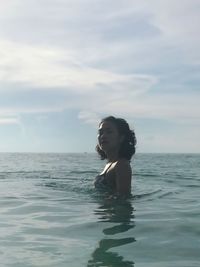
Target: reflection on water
<point>121,214</point>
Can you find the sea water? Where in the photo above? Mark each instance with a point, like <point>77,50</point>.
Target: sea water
<point>51,215</point>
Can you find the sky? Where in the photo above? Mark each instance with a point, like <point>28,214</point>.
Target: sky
<point>66,64</point>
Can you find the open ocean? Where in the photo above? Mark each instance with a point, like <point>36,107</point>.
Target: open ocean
<point>51,215</point>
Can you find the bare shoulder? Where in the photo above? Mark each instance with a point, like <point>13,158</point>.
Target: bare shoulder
<point>123,165</point>
<point>123,174</point>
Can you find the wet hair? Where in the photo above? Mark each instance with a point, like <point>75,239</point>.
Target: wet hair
<point>127,148</point>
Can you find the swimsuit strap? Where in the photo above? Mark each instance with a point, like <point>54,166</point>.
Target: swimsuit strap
<point>108,168</point>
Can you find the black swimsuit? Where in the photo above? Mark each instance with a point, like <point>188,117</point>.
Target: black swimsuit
<point>101,181</point>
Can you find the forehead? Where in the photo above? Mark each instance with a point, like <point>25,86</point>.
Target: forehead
<point>107,125</point>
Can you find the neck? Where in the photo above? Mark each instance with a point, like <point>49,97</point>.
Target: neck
<point>112,156</point>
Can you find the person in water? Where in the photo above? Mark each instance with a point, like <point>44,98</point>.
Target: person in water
<point>116,144</point>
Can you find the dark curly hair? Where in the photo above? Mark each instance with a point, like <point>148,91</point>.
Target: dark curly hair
<point>127,148</point>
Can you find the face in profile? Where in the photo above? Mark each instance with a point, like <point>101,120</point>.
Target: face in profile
<point>108,136</point>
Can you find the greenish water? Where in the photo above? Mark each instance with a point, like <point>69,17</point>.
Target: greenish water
<point>52,216</point>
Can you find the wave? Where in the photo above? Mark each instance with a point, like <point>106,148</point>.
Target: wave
<point>83,172</point>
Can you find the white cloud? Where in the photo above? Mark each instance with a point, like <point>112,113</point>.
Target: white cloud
<point>44,68</point>
<point>89,117</point>
<point>135,59</point>
<point>182,109</point>
<point>108,56</point>
<point>9,120</point>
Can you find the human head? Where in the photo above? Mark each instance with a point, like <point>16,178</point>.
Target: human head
<point>128,143</point>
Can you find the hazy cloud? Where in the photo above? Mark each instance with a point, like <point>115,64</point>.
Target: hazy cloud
<point>131,58</point>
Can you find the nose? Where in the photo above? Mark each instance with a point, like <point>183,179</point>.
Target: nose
<point>103,135</point>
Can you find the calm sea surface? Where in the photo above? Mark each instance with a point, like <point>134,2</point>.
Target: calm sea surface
<point>50,214</point>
